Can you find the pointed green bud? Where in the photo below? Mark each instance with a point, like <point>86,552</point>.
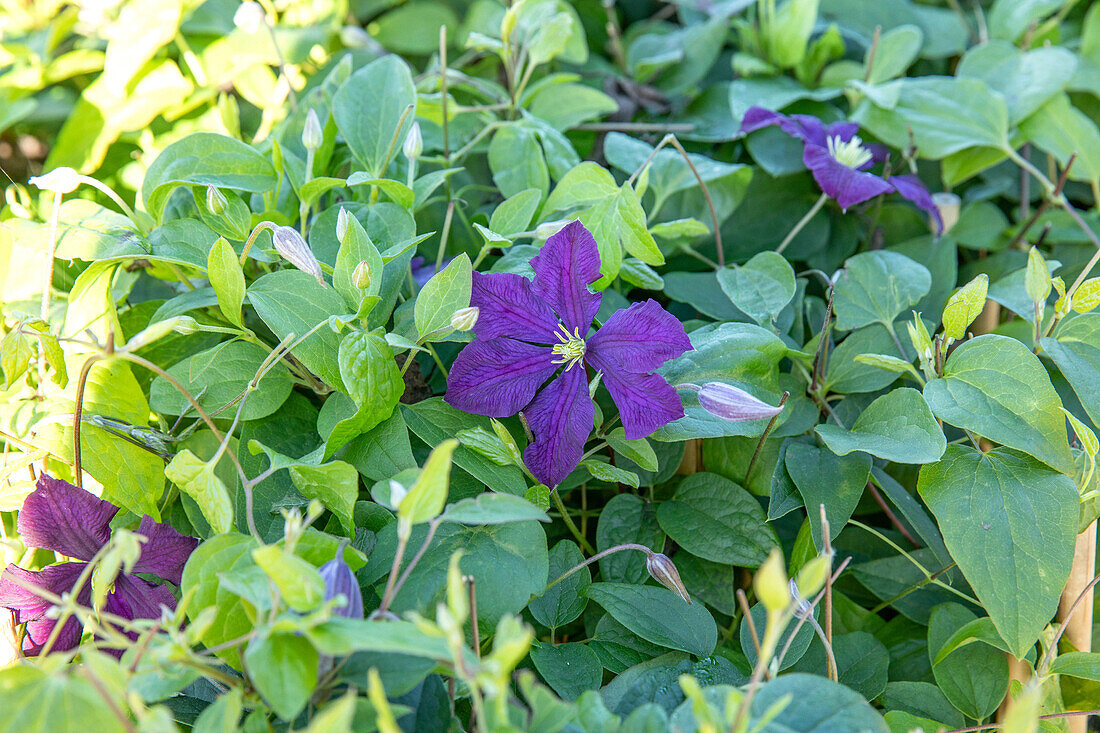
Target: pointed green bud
<point>1037,277</point>
<point>661,568</point>
<point>215,201</point>
<point>770,583</point>
<point>458,603</point>
<point>414,143</point>
<point>465,319</point>
<point>361,276</point>
<point>918,336</point>
<point>312,137</point>
<point>342,225</point>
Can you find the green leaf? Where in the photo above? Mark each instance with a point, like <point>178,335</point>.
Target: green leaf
<point>1083,665</point>
<point>761,288</point>
<point>658,615</point>
<point>202,576</point>
<point>995,387</point>
<point>1010,523</point>
<point>357,247</point>
<point>219,376</point>
<point>626,518</point>
<point>944,114</point>
<point>370,111</point>
<point>398,192</point>
<point>433,421</point>
<point>569,669</point>
<point>369,373</point>
<point>227,279</point>
<point>196,478</point>
<point>1075,349</point>
<point>611,474</point>
<point>299,583</point>
<point>446,292</point>
<point>334,483</point>
<point>1027,79</point>
<point>876,287</point>
<point>814,704</point>
<point>428,495</point>
<point>898,427</point>
<point>283,667</point>
<point>222,715</point>
<point>897,49</point>
<point>1010,19</point>
<point>514,214</point>
<point>741,354</point>
<point>517,161</point>
<point>974,677</point>
<point>490,508</point>
<point>824,478</point>
<point>564,602</point>
<point>788,32</point>
<point>291,301</point>
<point>964,306</point>
<point>37,701</point>
<point>1062,130</point>
<point>715,519</point>
<point>205,159</point>
<point>638,450</point>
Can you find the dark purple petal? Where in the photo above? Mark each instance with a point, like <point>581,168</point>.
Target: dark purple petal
<point>879,154</point>
<point>165,551</point>
<point>136,598</point>
<point>507,306</point>
<point>564,268</point>
<point>845,185</point>
<point>498,377</point>
<point>910,187</point>
<point>645,401</point>
<point>637,339</point>
<point>423,271</point>
<point>30,608</point>
<point>59,516</point>
<point>806,128</point>
<point>560,419</point>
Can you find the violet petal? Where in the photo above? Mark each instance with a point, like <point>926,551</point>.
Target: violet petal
<point>911,188</point>
<point>564,268</point>
<point>498,377</point>
<point>507,306</point>
<point>645,401</point>
<point>340,580</point>
<point>561,419</point>
<point>638,339</point>
<point>165,551</point>
<point>59,516</point>
<point>845,185</point>
<point>30,608</point>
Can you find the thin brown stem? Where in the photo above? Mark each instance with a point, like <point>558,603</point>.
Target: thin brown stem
<point>764,437</point>
<point>1048,716</point>
<point>746,611</point>
<point>891,516</point>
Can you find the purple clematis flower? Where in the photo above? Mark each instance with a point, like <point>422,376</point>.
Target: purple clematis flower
<point>61,517</point>
<point>528,330</point>
<point>839,160</point>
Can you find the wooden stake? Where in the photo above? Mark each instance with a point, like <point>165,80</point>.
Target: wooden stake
<point>1078,633</point>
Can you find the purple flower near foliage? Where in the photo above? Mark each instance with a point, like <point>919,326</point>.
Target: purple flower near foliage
<point>839,160</point>
<point>340,580</point>
<point>529,329</point>
<point>73,522</point>
<point>423,271</point>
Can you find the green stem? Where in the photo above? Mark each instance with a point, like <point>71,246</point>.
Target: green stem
<point>802,223</point>
<point>585,545</point>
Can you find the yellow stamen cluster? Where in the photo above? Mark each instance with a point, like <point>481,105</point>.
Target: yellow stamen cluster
<point>851,154</point>
<point>571,349</point>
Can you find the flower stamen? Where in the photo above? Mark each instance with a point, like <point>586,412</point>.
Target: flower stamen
<point>571,349</point>
<point>851,153</point>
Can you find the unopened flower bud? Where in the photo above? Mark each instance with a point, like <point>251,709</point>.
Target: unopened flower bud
<point>290,245</point>
<point>918,336</point>
<point>352,36</point>
<point>733,404</point>
<point>342,218</point>
<point>160,329</point>
<point>948,205</point>
<point>397,493</point>
<point>464,319</point>
<point>311,131</point>
<point>60,180</point>
<point>341,581</point>
<point>770,583</point>
<point>414,143</point>
<point>361,277</point>
<point>215,201</point>
<point>186,325</point>
<point>549,228</point>
<point>663,570</point>
<point>249,16</point>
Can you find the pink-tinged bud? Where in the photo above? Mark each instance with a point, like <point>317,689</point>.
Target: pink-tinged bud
<point>662,569</point>
<point>342,225</point>
<point>465,319</point>
<point>733,404</point>
<point>341,581</point>
<point>290,245</point>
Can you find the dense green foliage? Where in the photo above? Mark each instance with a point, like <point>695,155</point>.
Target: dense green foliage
<point>233,296</point>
